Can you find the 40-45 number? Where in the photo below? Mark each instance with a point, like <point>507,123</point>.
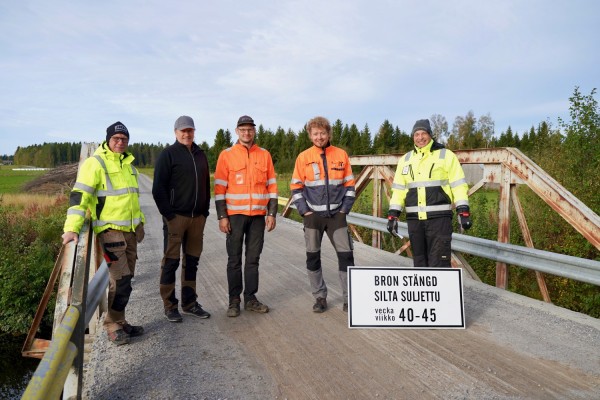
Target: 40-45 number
<point>408,314</point>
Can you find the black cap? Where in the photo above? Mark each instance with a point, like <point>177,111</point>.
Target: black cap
<point>422,125</point>
<point>117,127</point>
<point>245,120</point>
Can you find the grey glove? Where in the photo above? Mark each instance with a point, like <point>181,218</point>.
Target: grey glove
<point>392,225</point>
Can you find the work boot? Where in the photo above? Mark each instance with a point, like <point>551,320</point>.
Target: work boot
<point>133,330</point>
<point>321,305</point>
<point>173,315</point>
<point>234,308</point>
<point>118,337</point>
<point>197,311</point>
<point>256,306</point>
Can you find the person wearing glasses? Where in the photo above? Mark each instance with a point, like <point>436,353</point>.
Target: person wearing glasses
<point>245,191</point>
<point>107,186</point>
<point>429,182</point>
<point>181,190</point>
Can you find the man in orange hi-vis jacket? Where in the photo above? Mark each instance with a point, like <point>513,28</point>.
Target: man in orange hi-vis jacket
<point>323,190</point>
<point>245,191</point>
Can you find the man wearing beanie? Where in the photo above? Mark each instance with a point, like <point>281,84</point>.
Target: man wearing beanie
<point>429,182</point>
<point>181,190</point>
<point>117,220</point>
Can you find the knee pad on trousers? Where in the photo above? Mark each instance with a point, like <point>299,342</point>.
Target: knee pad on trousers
<point>313,261</point>
<point>191,267</point>
<point>122,293</point>
<point>167,275</point>
<point>345,259</point>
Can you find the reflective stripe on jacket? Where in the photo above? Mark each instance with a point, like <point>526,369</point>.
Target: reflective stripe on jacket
<point>428,182</point>
<point>107,185</point>
<point>323,181</point>
<point>245,182</point>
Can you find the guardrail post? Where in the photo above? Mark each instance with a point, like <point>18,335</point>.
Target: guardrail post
<point>73,388</point>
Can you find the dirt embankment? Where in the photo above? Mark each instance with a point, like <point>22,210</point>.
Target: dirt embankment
<point>56,181</point>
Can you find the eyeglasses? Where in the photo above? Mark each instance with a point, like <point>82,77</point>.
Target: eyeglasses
<point>120,139</point>
<point>247,130</point>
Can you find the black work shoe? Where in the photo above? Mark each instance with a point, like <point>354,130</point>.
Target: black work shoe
<point>234,308</point>
<point>133,330</point>
<point>173,315</point>
<point>321,305</point>
<point>197,311</point>
<point>345,307</point>
<point>118,337</point>
<point>256,306</point>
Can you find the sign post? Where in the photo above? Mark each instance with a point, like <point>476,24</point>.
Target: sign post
<point>387,297</point>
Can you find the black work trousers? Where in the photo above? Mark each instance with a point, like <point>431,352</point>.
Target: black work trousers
<point>249,231</point>
<point>430,241</point>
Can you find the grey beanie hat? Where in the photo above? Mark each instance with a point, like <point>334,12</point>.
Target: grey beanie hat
<point>422,125</point>
<point>184,122</point>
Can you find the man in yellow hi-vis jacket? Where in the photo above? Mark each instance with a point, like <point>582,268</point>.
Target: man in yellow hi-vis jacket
<point>107,185</point>
<point>429,182</point>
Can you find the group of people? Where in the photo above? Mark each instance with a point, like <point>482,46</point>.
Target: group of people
<point>429,182</point>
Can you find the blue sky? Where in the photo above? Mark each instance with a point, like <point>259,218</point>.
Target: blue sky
<point>70,69</point>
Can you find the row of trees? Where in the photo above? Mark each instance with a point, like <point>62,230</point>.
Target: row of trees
<point>567,151</point>
<point>467,132</point>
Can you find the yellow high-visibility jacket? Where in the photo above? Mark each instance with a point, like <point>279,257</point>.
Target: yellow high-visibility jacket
<point>107,185</point>
<point>427,183</point>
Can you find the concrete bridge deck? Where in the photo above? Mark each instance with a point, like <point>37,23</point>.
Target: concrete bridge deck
<point>512,348</point>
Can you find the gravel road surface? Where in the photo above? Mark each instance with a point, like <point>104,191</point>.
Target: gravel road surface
<point>512,348</point>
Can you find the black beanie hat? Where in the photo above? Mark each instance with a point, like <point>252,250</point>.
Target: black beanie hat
<point>117,127</point>
<point>422,125</point>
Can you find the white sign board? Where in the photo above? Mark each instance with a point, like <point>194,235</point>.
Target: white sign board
<point>382,297</point>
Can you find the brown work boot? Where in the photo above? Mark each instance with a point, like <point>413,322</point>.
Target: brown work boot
<point>234,308</point>
<point>321,305</point>
<point>256,306</point>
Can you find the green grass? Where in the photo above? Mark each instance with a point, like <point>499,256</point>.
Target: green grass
<point>12,181</point>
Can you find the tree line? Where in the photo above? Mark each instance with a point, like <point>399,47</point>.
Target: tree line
<point>567,150</point>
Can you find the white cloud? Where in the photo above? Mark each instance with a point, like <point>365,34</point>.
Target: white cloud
<point>146,62</point>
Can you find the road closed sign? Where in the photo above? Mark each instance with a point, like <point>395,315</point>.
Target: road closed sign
<point>385,297</point>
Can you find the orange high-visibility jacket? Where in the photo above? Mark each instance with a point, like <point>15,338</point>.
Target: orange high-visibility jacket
<point>245,182</point>
<point>323,181</point>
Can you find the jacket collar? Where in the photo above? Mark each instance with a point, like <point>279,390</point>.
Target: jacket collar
<point>429,147</point>
<point>252,148</point>
<point>194,147</point>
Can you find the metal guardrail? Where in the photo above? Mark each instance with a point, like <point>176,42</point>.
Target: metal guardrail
<point>61,369</point>
<point>51,374</point>
<point>580,269</point>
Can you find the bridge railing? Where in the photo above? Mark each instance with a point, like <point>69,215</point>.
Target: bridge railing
<point>580,269</point>
<point>503,169</point>
<point>81,292</point>
<point>577,268</point>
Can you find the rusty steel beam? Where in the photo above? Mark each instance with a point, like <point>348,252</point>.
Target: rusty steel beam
<point>525,171</point>
<point>528,241</point>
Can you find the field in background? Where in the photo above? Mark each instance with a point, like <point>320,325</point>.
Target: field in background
<point>12,181</point>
